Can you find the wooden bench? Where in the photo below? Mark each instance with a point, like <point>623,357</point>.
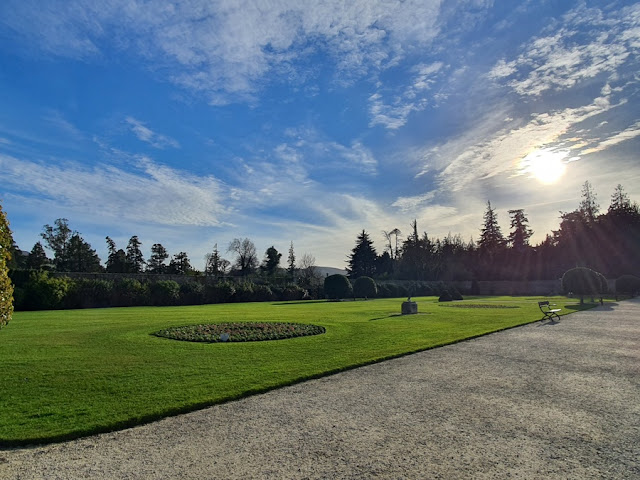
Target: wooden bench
<point>549,313</point>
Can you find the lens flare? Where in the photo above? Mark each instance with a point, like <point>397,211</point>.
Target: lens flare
<point>546,165</point>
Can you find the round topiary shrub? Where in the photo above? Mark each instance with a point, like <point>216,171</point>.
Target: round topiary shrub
<point>445,297</point>
<point>581,281</point>
<point>337,286</point>
<point>455,293</point>
<point>365,287</point>
<point>239,332</point>
<point>628,284</point>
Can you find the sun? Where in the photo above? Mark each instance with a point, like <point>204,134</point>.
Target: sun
<point>546,164</point>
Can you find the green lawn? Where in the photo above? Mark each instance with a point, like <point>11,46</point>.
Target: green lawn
<point>71,373</point>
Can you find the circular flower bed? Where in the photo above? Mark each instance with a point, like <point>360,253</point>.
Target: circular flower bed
<point>239,332</point>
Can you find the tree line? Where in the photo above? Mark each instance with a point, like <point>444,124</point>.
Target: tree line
<point>605,242</point>
<point>72,253</point>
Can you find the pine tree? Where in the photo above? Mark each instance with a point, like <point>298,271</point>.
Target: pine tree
<point>520,233</point>
<point>156,261</point>
<point>589,206</point>
<point>37,257</point>
<point>135,259</point>
<point>491,238</point>
<point>291,262</point>
<point>362,261</point>
<point>271,261</point>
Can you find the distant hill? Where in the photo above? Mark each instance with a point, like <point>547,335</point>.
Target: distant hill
<point>324,271</point>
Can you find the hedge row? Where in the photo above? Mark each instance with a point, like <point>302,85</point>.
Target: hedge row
<point>41,292</point>
<point>338,286</point>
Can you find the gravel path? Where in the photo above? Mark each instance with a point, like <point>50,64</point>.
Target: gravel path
<point>547,400</point>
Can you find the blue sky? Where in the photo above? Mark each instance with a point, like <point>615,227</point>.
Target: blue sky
<point>192,123</point>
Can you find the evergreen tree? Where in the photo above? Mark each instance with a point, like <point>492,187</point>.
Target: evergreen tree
<point>81,257</point>
<point>520,233</point>
<point>589,206</point>
<point>180,264</point>
<point>215,264</point>
<point>362,261</point>
<point>135,259</point>
<point>156,261</point>
<point>117,259</point>
<point>291,262</point>
<point>271,261</point>
<point>37,257</point>
<point>491,238</point>
<point>417,260</point>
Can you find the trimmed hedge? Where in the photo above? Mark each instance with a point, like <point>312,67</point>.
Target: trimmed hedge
<point>337,286</point>
<point>365,287</point>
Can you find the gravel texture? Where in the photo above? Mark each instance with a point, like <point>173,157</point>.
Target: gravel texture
<point>547,400</point>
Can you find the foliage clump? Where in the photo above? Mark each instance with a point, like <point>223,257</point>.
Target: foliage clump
<point>239,332</point>
<point>365,287</point>
<point>337,286</point>
<point>6,287</point>
<point>628,284</point>
<point>582,281</point>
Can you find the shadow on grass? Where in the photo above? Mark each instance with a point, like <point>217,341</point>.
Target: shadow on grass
<point>301,302</point>
<point>394,315</point>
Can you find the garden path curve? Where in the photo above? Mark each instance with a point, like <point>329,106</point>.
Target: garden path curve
<point>546,400</point>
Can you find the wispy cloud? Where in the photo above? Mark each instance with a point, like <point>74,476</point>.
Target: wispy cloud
<point>561,60</point>
<point>145,134</point>
<point>151,194</point>
<point>627,134</point>
<point>414,98</point>
<point>411,204</point>
<point>227,49</point>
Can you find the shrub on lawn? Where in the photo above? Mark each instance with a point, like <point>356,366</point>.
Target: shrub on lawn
<point>581,281</point>
<point>454,292</point>
<point>337,286</point>
<point>365,287</point>
<point>445,297</point>
<point>628,284</point>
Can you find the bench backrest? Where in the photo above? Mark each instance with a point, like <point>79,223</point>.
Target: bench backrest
<point>543,304</point>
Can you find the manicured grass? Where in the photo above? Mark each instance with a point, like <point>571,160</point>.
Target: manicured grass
<point>71,373</point>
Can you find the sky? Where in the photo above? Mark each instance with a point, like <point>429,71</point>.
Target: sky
<point>193,123</point>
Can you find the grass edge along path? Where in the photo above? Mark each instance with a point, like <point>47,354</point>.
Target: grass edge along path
<point>69,374</point>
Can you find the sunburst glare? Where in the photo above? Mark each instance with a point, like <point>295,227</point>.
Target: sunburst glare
<point>546,165</point>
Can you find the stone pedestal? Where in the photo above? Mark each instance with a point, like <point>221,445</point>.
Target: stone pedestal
<point>409,308</point>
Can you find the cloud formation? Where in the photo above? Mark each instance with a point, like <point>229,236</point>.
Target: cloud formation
<point>147,135</point>
<point>152,194</point>
<point>226,49</point>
